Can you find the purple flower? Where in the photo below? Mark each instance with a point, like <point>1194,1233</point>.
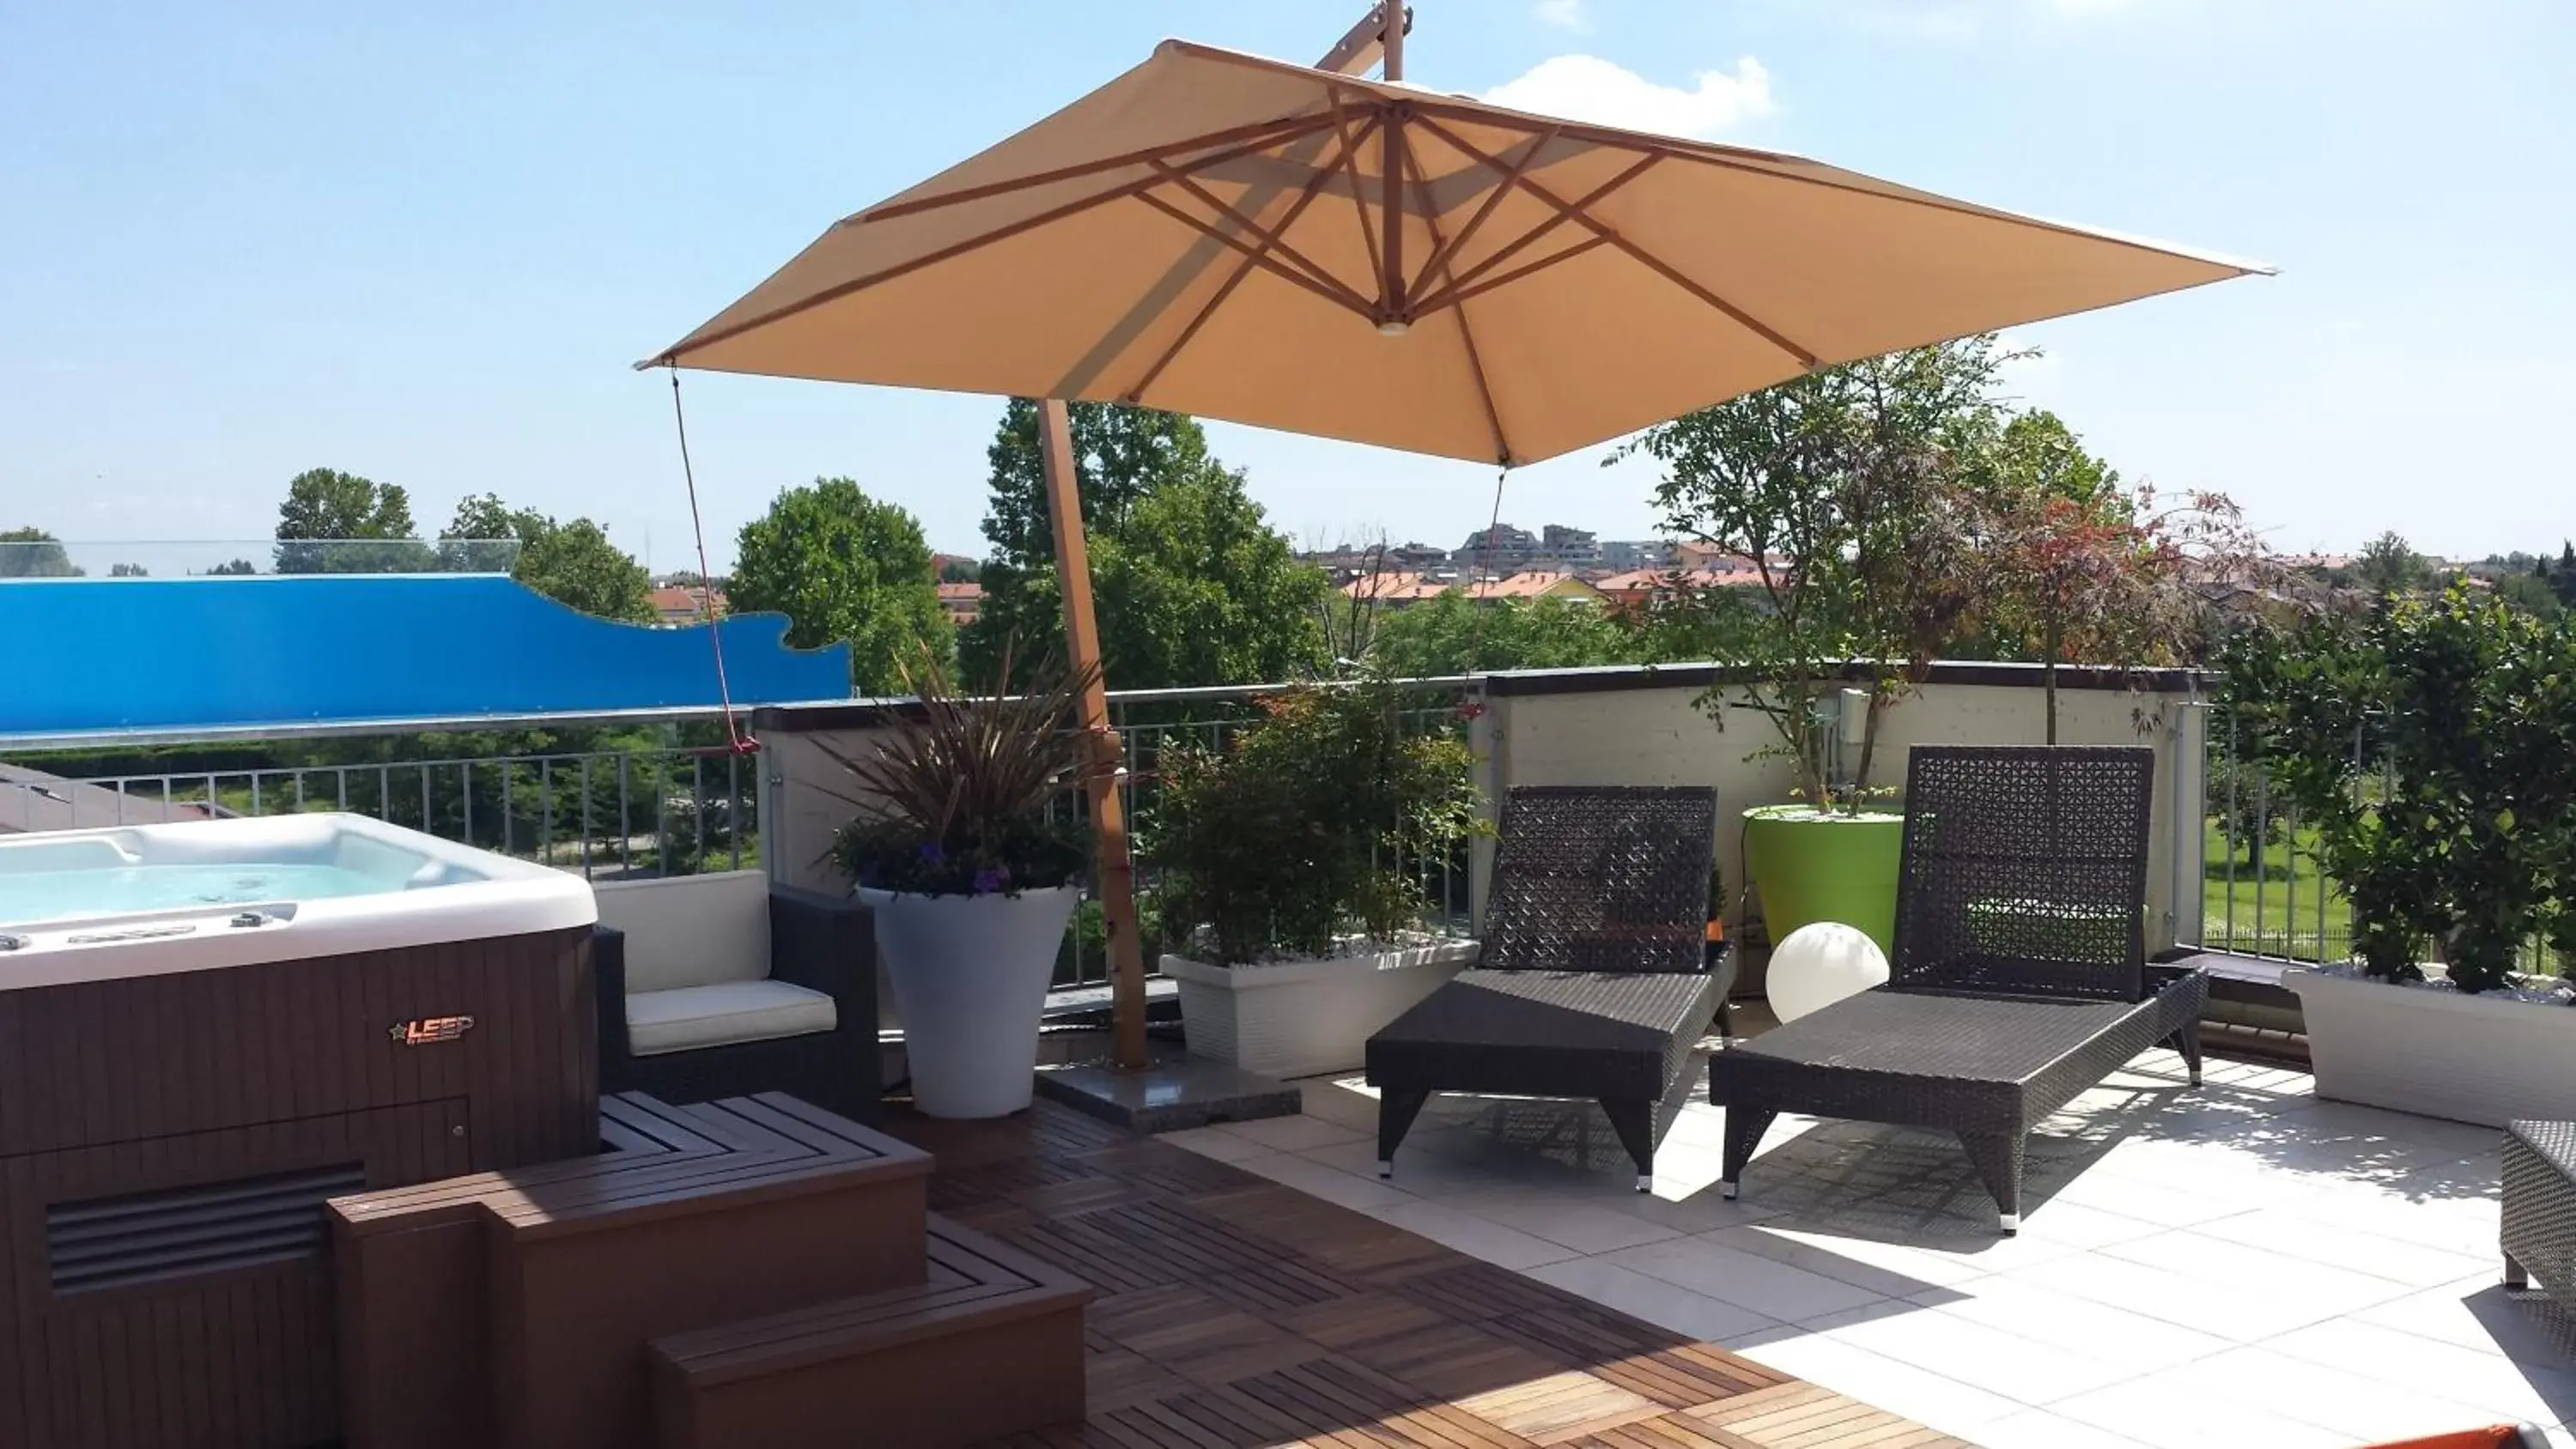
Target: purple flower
<point>991,879</point>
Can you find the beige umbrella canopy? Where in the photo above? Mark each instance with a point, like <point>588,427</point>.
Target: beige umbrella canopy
<point>1219,234</point>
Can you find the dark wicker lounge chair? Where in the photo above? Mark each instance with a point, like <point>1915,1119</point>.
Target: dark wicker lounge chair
<point>1594,980</point>
<point>2020,975</point>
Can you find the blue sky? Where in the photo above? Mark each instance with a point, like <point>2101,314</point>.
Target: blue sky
<point>423,243</point>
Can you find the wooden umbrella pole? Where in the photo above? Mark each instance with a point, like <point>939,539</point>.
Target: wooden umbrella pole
<point>1109,845</point>
<point>1111,854</point>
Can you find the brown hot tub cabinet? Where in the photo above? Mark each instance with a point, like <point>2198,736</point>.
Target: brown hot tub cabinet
<point>167,1143</point>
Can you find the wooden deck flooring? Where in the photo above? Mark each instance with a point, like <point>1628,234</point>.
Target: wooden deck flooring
<point>1237,1312</point>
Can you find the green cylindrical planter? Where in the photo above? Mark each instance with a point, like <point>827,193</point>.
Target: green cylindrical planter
<point>1809,867</point>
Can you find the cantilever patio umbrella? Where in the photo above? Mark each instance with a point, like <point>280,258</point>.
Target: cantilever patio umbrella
<point>1219,234</point>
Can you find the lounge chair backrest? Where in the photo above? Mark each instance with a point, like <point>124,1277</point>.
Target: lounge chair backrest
<point>1601,878</point>
<point>2025,871</point>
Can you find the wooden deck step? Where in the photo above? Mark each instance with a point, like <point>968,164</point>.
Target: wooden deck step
<point>990,1343</point>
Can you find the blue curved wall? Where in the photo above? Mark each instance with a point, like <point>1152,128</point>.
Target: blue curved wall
<point>79,656</point>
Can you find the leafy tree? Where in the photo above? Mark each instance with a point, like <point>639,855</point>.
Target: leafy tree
<point>1453,633</point>
<point>326,509</point>
<point>239,566</point>
<point>128,571</point>
<point>2563,577</point>
<point>573,563</point>
<point>32,553</point>
<point>1192,585</point>
<point>2529,593</point>
<point>843,566</point>
<point>959,570</point>
<point>2389,564</point>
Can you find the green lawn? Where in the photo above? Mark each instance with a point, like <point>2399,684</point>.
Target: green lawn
<point>2279,915</point>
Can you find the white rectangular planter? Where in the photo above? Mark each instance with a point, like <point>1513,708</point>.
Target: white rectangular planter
<point>1305,1017</point>
<point>2438,1053</point>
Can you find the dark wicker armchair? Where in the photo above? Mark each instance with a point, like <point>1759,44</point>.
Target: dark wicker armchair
<point>1595,979</point>
<point>2019,978</point>
<point>725,985</point>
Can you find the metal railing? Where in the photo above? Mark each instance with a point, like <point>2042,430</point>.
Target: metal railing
<point>2264,891</point>
<point>640,812</point>
<point>608,814</point>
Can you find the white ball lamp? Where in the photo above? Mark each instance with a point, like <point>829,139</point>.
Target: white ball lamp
<point>1821,964</point>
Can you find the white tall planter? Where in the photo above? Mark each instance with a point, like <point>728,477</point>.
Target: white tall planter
<point>2438,1053</point>
<point>1305,1017</point>
<point>970,980</point>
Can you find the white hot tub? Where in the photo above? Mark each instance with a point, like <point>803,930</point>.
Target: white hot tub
<point>142,900</point>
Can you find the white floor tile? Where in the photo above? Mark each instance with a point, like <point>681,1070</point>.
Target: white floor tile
<point>1476,1237</point>
<point>1892,1270</point>
<point>1706,1319</point>
<point>2501,1387</point>
<point>2287,1231</point>
<point>2020,1366</point>
<point>2168,1413</point>
<point>1767,1286</point>
<point>2040,1429</point>
<point>1586,1224</point>
<point>1294,1134</point>
<point>1218,1142</point>
<point>1316,1180</point>
<point>2079,1325</point>
<point>2375,1401</point>
<point>1900,1388</point>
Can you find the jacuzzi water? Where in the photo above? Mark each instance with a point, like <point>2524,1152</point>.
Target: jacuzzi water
<point>53,895</point>
<point>145,899</point>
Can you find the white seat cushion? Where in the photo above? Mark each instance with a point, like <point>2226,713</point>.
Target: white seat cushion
<point>723,1014</point>
<point>691,930</point>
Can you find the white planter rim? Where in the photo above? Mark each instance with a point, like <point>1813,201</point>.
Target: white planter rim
<point>1297,970</point>
<point>879,896</point>
<point>2417,998</point>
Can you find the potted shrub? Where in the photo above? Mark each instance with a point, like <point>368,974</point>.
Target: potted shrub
<point>1292,881</point>
<point>969,852</point>
<point>2433,747</point>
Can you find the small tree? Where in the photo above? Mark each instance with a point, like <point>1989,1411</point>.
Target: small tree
<point>339,523</point>
<point>843,566</point>
<point>1856,496</point>
<point>2389,564</point>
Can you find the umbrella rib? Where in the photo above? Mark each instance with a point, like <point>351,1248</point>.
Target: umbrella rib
<point>1243,269</point>
<point>1271,241</point>
<point>1457,245</point>
<point>1635,252</point>
<point>1454,294</point>
<point>1555,219</point>
<point>1263,135</point>
<point>1329,294</point>
<point>1351,169</point>
<point>1466,334</point>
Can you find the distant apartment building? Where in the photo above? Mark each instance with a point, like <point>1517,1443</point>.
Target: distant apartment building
<point>1623,555</point>
<point>1500,549</point>
<point>1572,549</point>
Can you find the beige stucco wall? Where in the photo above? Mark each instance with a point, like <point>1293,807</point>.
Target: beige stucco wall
<point>1658,736</point>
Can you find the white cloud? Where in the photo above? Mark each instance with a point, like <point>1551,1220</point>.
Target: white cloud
<point>1571,14</point>
<point>1588,88</point>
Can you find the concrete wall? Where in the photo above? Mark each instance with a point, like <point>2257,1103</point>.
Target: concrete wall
<point>1632,729</point>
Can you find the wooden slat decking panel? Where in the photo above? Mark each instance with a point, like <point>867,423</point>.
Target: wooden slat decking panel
<point>1234,1311</point>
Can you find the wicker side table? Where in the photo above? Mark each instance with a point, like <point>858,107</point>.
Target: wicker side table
<point>2539,1232</point>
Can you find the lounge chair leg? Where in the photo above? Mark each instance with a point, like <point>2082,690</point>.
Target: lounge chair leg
<point>1727,1190</point>
<point>1744,1129</point>
<point>1998,1159</point>
<point>1635,1124</point>
<point>1395,1114</point>
<point>2514,1276</point>
<point>2187,1041</point>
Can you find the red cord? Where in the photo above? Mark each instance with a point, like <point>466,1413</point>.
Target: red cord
<point>736,741</point>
